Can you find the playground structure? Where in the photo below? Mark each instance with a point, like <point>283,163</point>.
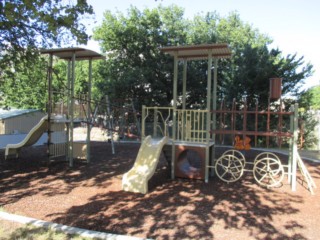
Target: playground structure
<point>64,145</point>
<point>67,110</point>
<point>31,138</point>
<point>119,118</point>
<point>59,127</point>
<point>136,179</point>
<point>193,133</point>
<point>189,136</point>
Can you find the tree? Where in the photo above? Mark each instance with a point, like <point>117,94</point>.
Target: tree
<point>27,87</point>
<point>28,25</point>
<point>39,23</point>
<point>252,63</point>
<point>310,99</point>
<point>136,68</point>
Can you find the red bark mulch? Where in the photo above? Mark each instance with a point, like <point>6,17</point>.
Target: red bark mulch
<point>90,196</point>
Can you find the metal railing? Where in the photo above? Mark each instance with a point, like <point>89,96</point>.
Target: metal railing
<point>191,125</point>
<point>157,121</point>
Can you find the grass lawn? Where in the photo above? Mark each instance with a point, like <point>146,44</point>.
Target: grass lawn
<point>17,231</point>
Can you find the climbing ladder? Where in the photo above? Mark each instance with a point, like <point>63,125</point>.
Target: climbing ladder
<point>305,174</point>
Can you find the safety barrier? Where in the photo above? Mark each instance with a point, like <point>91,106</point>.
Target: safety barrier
<point>191,125</point>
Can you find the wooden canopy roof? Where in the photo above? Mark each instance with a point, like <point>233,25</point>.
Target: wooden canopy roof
<point>67,53</point>
<point>199,52</point>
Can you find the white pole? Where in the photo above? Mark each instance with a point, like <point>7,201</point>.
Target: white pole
<point>68,111</point>
<point>214,107</point>
<point>184,87</point>
<point>89,119</point>
<point>208,119</point>
<point>175,90</point>
<point>71,113</point>
<point>110,126</point>
<point>294,149</point>
<point>214,97</point>
<point>49,142</point>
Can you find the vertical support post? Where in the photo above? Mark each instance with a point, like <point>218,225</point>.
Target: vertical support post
<point>184,81</point>
<point>244,126</point>
<point>280,124</point>
<point>89,120</point>
<point>71,113</point>
<point>294,149</point>
<point>110,123</point>
<point>290,145</point>
<point>214,108</point>
<point>175,81</point>
<point>209,87</point>
<point>143,124</point>
<point>135,117</point>
<point>256,123</point>
<point>214,97</point>
<point>268,122</point>
<point>318,125</point>
<point>208,119</point>
<point>155,121</point>
<point>233,121</point>
<point>174,127</point>
<point>68,110</point>
<point>49,103</point>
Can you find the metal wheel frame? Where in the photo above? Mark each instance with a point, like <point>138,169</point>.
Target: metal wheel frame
<point>232,168</point>
<point>238,154</point>
<point>268,170</point>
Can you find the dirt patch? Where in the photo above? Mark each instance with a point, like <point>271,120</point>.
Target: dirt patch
<point>90,196</point>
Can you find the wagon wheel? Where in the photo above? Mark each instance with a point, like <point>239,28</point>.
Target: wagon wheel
<point>237,154</point>
<point>268,170</point>
<point>266,154</point>
<point>229,168</point>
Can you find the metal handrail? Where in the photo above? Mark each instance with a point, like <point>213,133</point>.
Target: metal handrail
<point>190,124</point>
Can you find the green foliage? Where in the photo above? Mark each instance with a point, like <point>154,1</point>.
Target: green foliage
<point>136,68</point>
<point>26,23</point>
<point>26,26</point>
<point>310,99</point>
<point>307,124</point>
<point>26,86</point>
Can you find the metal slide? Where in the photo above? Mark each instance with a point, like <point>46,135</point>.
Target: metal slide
<point>136,179</point>
<point>32,137</point>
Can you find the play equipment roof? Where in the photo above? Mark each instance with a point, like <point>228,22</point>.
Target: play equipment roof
<point>67,53</point>
<point>198,52</point>
<point>13,112</point>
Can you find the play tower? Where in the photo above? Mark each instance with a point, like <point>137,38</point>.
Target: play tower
<point>60,126</point>
<point>190,133</point>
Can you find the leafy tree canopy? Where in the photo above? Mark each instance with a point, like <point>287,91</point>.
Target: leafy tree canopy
<point>310,99</point>
<point>27,25</point>
<point>136,68</point>
<point>41,23</point>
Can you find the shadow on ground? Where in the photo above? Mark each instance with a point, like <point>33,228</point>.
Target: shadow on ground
<point>173,209</point>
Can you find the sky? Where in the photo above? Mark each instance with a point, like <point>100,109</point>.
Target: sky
<point>294,25</point>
